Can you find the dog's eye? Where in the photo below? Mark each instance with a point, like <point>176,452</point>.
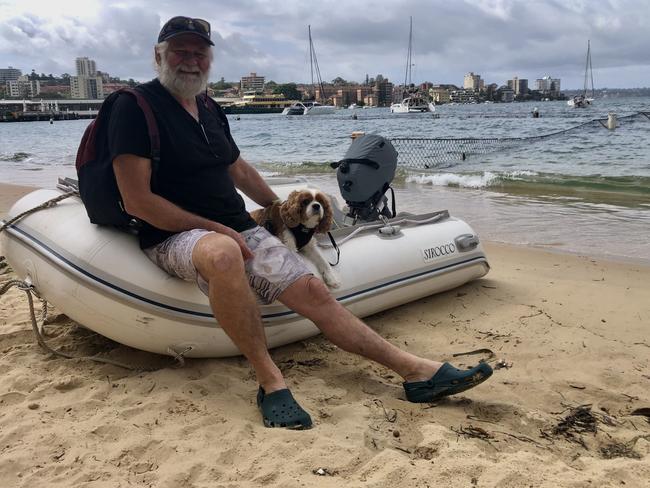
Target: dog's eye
<point>305,203</point>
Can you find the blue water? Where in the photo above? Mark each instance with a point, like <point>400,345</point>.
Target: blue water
<point>585,192</point>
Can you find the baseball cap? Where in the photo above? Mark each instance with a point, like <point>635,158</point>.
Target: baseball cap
<point>177,26</point>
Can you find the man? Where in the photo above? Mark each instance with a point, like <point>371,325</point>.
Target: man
<point>197,228</point>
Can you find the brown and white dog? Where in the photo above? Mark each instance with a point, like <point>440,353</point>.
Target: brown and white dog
<point>294,221</point>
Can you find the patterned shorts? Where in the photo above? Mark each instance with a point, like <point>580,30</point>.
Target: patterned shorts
<point>273,268</point>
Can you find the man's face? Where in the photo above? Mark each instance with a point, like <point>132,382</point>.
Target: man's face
<point>185,65</point>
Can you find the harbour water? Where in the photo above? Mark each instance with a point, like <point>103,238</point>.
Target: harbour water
<point>585,192</point>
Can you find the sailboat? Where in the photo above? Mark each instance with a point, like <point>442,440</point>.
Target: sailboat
<point>413,101</point>
<point>311,107</point>
<point>582,100</point>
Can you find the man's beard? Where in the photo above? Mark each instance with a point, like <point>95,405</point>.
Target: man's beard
<point>179,84</point>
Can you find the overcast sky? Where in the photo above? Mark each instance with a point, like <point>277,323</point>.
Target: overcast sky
<point>498,39</point>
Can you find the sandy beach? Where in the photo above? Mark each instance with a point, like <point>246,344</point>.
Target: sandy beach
<point>568,334</point>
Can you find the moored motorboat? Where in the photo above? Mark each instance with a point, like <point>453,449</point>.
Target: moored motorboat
<point>308,108</point>
<point>412,104</point>
<point>100,278</point>
<point>295,109</point>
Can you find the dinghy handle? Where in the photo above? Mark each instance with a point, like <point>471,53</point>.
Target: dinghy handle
<point>466,242</point>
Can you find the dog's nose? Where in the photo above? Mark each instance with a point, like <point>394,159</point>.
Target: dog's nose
<point>316,206</point>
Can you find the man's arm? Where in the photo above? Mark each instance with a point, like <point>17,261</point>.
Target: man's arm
<point>248,180</point>
<point>133,175</point>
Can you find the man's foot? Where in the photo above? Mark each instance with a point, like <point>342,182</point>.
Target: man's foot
<point>446,381</point>
<point>280,409</point>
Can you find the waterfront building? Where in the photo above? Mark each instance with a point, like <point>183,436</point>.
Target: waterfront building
<point>346,95</point>
<point>23,87</point>
<point>462,96</point>
<point>473,82</point>
<point>87,84</point>
<point>9,74</point>
<point>507,94</point>
<point>518,85</point>
<point>86,87</point>
<point>548,85</point>
<point>47,91</point>
<point>251,83</point>
<point>26,110</point>
<point>109,88</point>
<point>86,67</point>
<point>371,100</point>
<point>383,90</point>
<point>440,93</point>
<point>363,92</point>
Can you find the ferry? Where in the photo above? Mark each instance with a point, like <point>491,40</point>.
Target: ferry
<point>255,103</point>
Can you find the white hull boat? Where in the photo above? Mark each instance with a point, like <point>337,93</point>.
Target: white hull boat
<point>316,108</point>
<point>582,100</point>
<point>308,108</point>
<point>414,101</point>
<point>100,278</point>
<point>412,105</point>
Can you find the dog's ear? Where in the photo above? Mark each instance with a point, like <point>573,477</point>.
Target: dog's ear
<point>290,209</point>
<point>328,215</point>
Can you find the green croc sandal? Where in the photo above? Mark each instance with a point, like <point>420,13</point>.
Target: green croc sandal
<point>446,381</point>
<point>280,409</point>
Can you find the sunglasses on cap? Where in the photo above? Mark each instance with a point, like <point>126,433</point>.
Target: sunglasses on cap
<point>185,25</point>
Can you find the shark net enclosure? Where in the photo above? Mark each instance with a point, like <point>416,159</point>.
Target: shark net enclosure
<point>431,153</point>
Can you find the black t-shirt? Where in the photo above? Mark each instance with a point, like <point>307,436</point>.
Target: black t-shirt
<point>194,157</point>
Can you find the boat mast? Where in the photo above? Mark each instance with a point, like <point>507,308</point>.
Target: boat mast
<point>588,71</point>
<point>409,58</point>
<point>314,67</point>
<point>591,70</point>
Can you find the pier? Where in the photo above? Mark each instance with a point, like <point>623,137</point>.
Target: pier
<point>35,110</point>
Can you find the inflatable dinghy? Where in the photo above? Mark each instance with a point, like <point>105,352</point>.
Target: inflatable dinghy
<point>99,277</point>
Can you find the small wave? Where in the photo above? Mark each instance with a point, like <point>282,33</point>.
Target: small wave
<point>15,157</point>
<point>294,168</point>
<point>617,191</point>
<point>457,180</point>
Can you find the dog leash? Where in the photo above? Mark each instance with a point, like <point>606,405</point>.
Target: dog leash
<point>336,247</point>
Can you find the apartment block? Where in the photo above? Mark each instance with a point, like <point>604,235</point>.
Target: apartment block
<point>548,85</point>
<point>251,83</point>
<point>86,87</point>
<point>439,94</point>
<point>86,67</point>
<point>9,74</point>
<point>23,87</point>
<point>473,82</point>
<point>383,90</point>
<point>518,85</point>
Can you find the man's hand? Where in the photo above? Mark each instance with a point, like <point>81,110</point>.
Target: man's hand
<point>241,242</point>
<point>133,175</point>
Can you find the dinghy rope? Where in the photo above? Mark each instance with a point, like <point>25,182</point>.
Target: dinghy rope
<point>30,291</point>
<point>38,326</point>
<point>44,205</point>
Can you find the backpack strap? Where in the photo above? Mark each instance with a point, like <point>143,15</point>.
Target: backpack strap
<point>152,126</point>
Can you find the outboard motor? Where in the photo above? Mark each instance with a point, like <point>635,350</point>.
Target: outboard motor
<point>364,176</point>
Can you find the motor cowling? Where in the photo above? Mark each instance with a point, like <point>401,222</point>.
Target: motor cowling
<point>364,176</point>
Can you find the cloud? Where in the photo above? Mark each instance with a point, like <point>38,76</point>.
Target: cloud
<point>495,38</point>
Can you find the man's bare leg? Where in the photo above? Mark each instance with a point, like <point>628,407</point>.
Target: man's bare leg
<point>218,259</point>
<point>309,297</point>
